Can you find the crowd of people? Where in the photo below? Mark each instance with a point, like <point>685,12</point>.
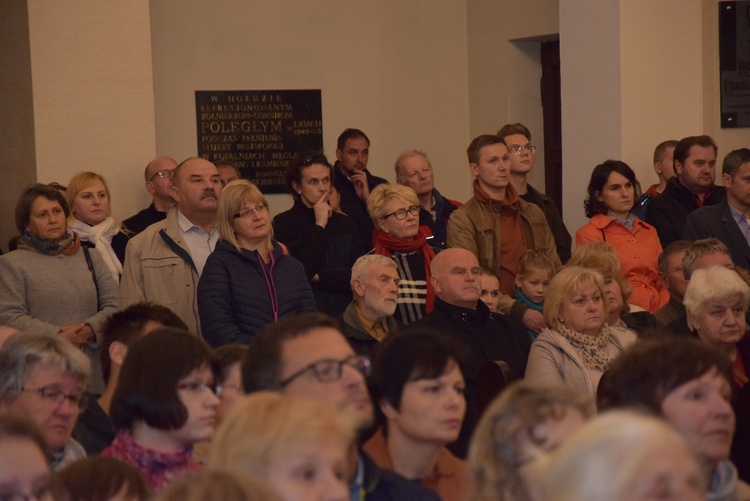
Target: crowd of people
<point>378,341</point>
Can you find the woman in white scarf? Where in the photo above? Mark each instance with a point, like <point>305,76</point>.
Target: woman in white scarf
<point>91,218</point>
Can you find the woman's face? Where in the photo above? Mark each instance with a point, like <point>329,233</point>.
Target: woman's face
<point>317,473</point>
<point>618,194</point>
<point>403,229</point>
<point>700,411</point>
<point>200,401</point>
<point>47,219</point>
<point>432,410</point>
<point>231,391</point>
<point>91,205</point>
<point>24,472</point>
<point>722,322</point>
<point>614,295</point>
<point>252,225</point>
<point>583,309</point>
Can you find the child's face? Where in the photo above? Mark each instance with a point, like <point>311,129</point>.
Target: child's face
<point>490,291</point>
<point>534,285</point>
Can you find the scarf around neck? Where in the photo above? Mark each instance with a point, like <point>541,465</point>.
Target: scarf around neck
<point>68,246</point>
<point>593,349</point>
<point>509,205</point>
<point>101,236</point>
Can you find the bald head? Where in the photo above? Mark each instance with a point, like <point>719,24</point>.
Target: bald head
<point>159,164</point>
<point>455,277</point>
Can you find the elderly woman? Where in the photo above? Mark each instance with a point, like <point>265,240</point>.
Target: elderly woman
<point>419,387</point>
<point>521,426</point>
<point>612,191</point>
<point>579,345</point>
<point>716,301</point>
<point>601,256</point>
<point>395,211</point>
<point>50,284</point>
<point>298,446</point>
<point>689,385</point>
<point>249,281</point>
<point>91,218</point>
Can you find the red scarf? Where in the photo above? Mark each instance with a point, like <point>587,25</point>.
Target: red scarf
<point>386,245</point>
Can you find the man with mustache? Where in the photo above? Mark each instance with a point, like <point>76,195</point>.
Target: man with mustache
<point>369,317</point>
<point>692,188</point>
<point>165,261</point>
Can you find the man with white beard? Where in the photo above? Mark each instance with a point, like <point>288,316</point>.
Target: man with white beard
<point>369,317</point>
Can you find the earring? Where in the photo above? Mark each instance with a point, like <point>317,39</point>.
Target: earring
<point>560,319</point>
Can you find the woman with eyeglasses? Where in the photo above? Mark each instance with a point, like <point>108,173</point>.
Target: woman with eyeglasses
<point>394,209</point>
<point>249,281</point>
<point>165,402</point>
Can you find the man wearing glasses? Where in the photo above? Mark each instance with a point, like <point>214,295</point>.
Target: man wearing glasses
<point>306,355</point>
<point>518,139</point>
<point>43,380</point>
<point>159,184</point>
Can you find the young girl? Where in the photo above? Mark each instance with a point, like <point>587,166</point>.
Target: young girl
<point>490,289</point>
<point>535,270</point>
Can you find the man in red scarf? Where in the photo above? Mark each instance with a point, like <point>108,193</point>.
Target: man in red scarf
<point>499,227</point>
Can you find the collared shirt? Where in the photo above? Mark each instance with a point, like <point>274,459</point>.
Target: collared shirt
<point>627,222</point>
<point>377,329</point>
<point>199,243</point>
<point>741,221</point>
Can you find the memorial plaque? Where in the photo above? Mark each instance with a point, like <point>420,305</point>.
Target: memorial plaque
<point>734,63</point>
<point>259,130</point>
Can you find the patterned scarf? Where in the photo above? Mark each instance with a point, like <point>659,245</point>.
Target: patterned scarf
<point>68,246</point>
<point>593,349</point>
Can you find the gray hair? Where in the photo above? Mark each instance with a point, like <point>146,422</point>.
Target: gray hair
<point>362,265</point>
<point>403,156</point>
<point>24,350</point>
<point>714,283</point>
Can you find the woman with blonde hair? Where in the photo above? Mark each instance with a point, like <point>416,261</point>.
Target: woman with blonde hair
<point>91,218</point>
<point>394,209</point>
<point>298,446</point>
<point>249,281</point>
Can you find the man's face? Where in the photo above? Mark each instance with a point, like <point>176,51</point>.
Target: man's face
<point>55,419</point>
<point>353,158</point>
<point>378,289</point>
<point>227,175</point>
<point>159,176</point>
<point>493,167</point>
<point>713,259</point>
<point>524,162</point>
<point>315,183</point>
<point>348,395</point>
<point>738,187</point>
<point>416,173</point>
<point>665,167</point>
<point>699,171</point>
<point>674,279</point>
<point>457,278</point>
<point>198,186</point>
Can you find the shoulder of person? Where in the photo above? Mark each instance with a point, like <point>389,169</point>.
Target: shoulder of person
<point>743,491</point>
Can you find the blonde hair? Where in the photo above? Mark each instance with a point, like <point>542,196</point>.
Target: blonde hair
<point>714,283</point>
<point>266,425</point>
<point>208,485</point>
<point>383,193</point>
<point>602,257</point>
<point>535,260</point>
<point>494,453</point>
<point>233,197</point>
<point>564,284</point>
<point>80,182</point>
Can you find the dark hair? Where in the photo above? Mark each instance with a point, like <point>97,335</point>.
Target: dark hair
<point>294,169</point>
<point>643,375</point>
<point>669,250</point>
<point>27,198</point>
<point>126,327</point>
<point>475,148</point>
<point>97,478</point>
<point>350,134</point>
<point>661,149</point>
<point>227,163</point>
<point>227,356</point>
<point>682,150</point>
<point>14,427</point>
<point>262,366</point>
<point>516,128</point>
<point>734,160</point>
<point>147,388</point>
<point>599,178</point>
<point>420,353</point>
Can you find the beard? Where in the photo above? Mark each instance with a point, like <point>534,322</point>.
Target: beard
<point>380,305</point>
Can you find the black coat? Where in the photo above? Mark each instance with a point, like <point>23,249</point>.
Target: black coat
<point>354,207</point>
<point>717,221</point>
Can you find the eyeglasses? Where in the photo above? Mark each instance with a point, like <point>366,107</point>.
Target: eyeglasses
<point>329,370</point>
<point>55,396</point>
<point>401,213</point>
<point>237,387</point>
<point>260,208</point>
<point>164,174</point>
<point>199,388</point>
<point>518,150</point>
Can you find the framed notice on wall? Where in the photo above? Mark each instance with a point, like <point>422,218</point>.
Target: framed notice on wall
<point>734,63</point>
<point>259,131</point>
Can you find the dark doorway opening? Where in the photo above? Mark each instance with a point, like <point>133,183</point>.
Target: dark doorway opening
<point>552,116</point>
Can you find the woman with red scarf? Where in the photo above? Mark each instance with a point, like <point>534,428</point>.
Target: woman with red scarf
<point>395,211</point>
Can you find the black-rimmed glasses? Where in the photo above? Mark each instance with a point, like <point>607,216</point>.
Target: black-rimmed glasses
<point>329,370</point>
<point>401,213</point>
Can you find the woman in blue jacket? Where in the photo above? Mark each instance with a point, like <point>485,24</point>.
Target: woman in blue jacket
<point>249,281</point>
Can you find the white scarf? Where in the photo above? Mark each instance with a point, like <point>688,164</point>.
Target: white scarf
<point>101,236</point>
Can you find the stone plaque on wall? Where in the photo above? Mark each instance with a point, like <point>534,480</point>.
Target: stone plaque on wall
<point>259,130</point>
<point>734,63</point>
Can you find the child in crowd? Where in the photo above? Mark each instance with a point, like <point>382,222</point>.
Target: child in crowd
<point>535,270</point>
<point>490,289</point>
